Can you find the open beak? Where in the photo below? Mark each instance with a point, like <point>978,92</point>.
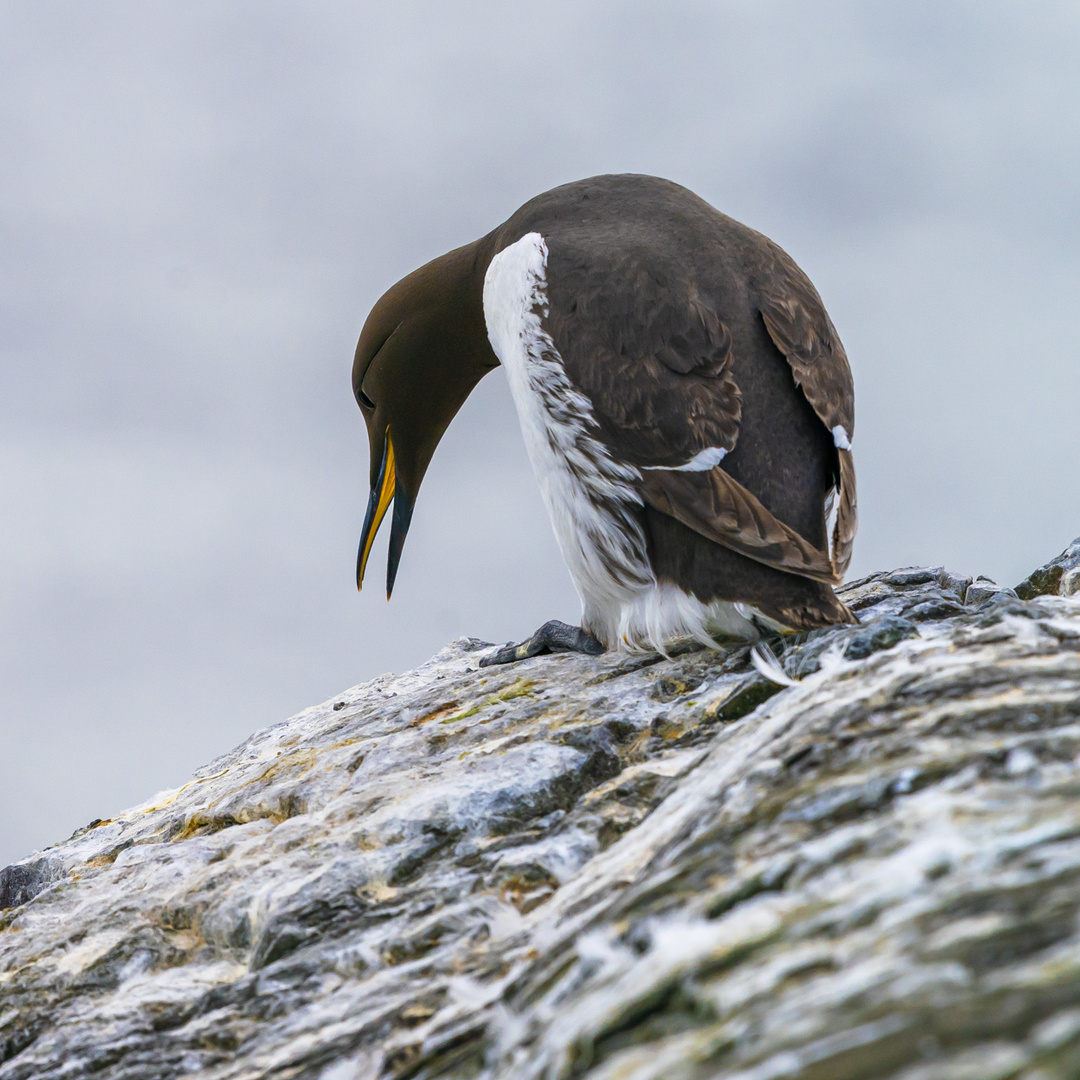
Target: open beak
<point>386,489</point>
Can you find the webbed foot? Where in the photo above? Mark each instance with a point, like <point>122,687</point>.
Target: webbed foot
<point>552,637</point>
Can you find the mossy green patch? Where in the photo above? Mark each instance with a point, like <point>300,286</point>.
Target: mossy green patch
<point>520,688</point>
<point>743,700</point>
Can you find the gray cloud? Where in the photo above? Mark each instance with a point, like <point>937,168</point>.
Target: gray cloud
<point>198,205</point>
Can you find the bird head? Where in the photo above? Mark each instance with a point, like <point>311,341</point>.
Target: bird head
<point>422,350</point>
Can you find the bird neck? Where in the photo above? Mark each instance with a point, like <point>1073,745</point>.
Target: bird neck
<point>453,288</point>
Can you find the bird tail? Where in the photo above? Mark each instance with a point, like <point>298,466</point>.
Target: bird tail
<point>825,609</point>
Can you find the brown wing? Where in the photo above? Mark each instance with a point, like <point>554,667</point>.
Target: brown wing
<point>655,363</point>
<point>802,330</point>
<point>717,506</point>
<point>655,360</point>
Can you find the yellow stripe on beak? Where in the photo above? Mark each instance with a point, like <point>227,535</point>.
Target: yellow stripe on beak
<point>377,508</point>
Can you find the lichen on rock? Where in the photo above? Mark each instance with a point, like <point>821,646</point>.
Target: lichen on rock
<point>643,868</point>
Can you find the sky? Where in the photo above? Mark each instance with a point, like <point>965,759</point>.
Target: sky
<point>199,203</point>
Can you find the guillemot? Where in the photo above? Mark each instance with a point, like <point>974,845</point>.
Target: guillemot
<point>685,401</point>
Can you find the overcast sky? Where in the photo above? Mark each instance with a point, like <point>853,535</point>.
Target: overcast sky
<point>199,202</point>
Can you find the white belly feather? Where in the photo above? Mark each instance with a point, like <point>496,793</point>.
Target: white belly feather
<point>590,497</point>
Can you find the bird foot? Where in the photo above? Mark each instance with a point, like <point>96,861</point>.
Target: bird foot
<point>552,637</point>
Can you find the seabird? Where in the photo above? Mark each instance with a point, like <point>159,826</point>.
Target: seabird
<point>684,399</point>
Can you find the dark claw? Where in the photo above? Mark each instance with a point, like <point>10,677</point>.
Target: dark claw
<point>552,637</point>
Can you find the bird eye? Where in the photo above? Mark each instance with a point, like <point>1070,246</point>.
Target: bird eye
<point>364,399</point>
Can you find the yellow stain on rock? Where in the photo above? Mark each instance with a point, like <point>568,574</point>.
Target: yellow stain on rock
<point>520,688</point>
<point>434,714</point>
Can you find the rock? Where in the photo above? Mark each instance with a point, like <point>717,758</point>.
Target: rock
<point>982,590</point>
<point>19,884</point>
<point>1060,576</point>
<point>613,867</point>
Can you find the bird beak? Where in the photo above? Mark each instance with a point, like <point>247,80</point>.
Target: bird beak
<point>381,493</point>
<point>387,488</point>
<point>399,526</point>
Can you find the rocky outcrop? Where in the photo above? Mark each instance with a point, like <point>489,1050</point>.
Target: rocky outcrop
<point>625,868</point>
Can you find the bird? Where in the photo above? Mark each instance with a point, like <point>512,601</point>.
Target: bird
<point>685,401</point>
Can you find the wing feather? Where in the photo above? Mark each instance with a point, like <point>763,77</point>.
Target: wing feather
<point>656,364</point>
<point>718,507</point>
<point>847,514</point>
<point>801,329</point>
